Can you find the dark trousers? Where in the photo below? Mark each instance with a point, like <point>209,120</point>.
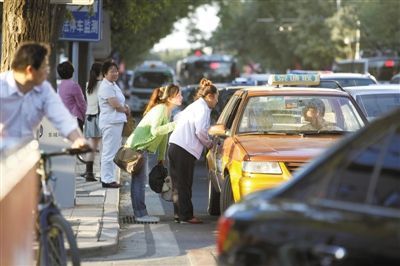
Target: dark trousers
<point>80,124</point>
<point>181,166</point>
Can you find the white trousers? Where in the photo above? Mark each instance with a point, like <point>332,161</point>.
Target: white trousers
<point>111,138</point>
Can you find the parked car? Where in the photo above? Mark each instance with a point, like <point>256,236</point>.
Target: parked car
<point>376,100</point>
<point>263,135</point>
<point>332,80</point>
<point>145,78</point>
<point>395,79</point>
<point>347,79</point>
<point>216,67</point>
<point>342,209</point>
<point>382,67</point>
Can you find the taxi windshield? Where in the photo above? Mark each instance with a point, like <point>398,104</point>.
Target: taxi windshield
<point>299,115</point>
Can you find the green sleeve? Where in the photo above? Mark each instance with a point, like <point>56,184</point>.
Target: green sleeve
<point>157,128</point>
<point>162,148</point>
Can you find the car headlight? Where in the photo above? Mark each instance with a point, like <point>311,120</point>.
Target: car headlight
<point>262,167</point>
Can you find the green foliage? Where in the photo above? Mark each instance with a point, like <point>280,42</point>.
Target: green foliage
<point>380,24</point>
<point>309,34</point>
<point>137,25</point>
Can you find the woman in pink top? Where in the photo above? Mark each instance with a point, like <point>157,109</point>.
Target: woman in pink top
<point>71,93</point>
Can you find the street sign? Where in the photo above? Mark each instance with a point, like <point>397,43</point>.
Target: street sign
<point>85,24</point>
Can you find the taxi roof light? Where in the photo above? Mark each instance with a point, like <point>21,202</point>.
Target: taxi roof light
<point>294,79</point>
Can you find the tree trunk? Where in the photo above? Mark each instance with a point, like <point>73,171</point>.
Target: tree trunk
<point>56,21</point>
<point>23,20</point>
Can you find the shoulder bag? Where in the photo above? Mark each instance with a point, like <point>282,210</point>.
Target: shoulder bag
<point>129,160</point>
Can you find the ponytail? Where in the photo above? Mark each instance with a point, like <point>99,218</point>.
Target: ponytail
<point>205,87</point>
<point>161,95</point>
<point>95,71</point>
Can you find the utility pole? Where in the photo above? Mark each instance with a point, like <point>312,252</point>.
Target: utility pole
<point>357,52</point>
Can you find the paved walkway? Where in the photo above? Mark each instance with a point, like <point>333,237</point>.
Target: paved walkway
<point>94,218</point>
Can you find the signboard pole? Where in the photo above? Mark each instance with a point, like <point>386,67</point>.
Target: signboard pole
<point>75,59</point>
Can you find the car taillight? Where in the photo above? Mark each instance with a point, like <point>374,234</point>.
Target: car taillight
<point>389,63</point>
<point>224,226</point>
<point>214,65</point>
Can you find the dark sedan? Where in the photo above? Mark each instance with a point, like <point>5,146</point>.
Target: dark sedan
<point>342,209</point>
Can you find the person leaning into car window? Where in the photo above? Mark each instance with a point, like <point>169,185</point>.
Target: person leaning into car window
<point>151,136</point>
<point>313,113</point>
<point>186,145</point>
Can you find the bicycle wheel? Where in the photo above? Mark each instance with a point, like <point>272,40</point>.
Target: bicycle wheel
<point>58,253</point>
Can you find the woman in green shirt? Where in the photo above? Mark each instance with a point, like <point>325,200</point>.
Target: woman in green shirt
<point>151,135</point>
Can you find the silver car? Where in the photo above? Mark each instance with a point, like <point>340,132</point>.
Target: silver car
<point>376,100</point>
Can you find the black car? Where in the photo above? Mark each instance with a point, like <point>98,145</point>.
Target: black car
<point>341,209</point>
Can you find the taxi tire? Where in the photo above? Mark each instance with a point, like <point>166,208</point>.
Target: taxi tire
<point>213,199</point>
<point>226,194</point>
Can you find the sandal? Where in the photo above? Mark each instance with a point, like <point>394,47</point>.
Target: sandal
<point>194,220</point>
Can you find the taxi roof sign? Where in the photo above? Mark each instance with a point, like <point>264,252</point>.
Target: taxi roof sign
<point>294,79</point>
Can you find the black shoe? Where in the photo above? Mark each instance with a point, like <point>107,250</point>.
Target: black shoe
<point>89,177</point>
<point>110,185</point>
<point>176,220</point>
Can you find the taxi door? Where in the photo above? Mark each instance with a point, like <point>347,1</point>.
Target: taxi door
<point>215,157</point>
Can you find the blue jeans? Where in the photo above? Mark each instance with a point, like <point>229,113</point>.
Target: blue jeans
<point>138,186</point>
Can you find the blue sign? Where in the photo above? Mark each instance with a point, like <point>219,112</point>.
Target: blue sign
<point>85,24</point>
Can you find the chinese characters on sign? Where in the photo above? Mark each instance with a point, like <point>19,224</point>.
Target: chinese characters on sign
<point>84,24</point>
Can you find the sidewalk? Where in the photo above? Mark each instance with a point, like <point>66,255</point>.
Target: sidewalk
<point>94,218</point>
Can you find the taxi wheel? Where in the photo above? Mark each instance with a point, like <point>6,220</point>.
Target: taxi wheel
<point>213,199</point>
<point>226,194</point>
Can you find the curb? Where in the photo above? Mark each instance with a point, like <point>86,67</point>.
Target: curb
<point>108,234</point>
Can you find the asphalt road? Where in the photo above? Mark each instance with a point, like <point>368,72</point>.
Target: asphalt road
<point>165,243</point>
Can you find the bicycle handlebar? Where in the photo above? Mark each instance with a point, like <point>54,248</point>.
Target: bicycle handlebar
<point>67,151</point>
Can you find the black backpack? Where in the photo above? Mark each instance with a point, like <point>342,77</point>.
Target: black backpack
<point>156,177</point>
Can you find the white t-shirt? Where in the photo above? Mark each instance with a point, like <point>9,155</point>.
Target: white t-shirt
<point>108,114</point>
<point>191,128</point>
<point>92,100</point>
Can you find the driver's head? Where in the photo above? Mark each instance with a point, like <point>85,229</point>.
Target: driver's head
<point>314,109</point>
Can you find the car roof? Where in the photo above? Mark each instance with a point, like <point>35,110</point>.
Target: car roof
<point>154,66</point>
<point>344,75</point>
<point>374,89</point>
<point>262,90</point>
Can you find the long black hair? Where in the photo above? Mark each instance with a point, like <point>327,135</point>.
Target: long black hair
<point>95,71</point>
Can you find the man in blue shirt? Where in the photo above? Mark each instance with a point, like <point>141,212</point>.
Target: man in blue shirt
<point>26,97</point>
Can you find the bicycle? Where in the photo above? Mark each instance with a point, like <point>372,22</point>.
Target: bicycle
<point>52,227</point>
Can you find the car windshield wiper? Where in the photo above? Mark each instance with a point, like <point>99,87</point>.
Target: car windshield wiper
<point>264,133</point>
<point>326,132</point>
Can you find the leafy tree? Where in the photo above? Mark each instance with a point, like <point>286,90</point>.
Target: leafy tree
<point>309,34</point>
<point>380,24</point>
<point>137,25</point>
<point>24,20</point>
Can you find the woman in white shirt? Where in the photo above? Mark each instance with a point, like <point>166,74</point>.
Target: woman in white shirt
<point>113,114</point>
<point>91,129</point>
<point>186,145</point>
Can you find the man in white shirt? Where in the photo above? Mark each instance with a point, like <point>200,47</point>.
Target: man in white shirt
<point>26,97</point>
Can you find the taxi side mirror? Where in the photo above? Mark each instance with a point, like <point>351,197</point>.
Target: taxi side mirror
<point>217,130</point>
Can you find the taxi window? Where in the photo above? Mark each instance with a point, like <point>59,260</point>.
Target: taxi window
<point>229,112</point>
<point>299,114</point>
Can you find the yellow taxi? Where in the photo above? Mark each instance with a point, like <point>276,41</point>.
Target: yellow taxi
<point>265,133</point>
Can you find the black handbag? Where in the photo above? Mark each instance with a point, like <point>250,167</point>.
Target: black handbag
<point>156,178</point>
<point>129,160</point>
